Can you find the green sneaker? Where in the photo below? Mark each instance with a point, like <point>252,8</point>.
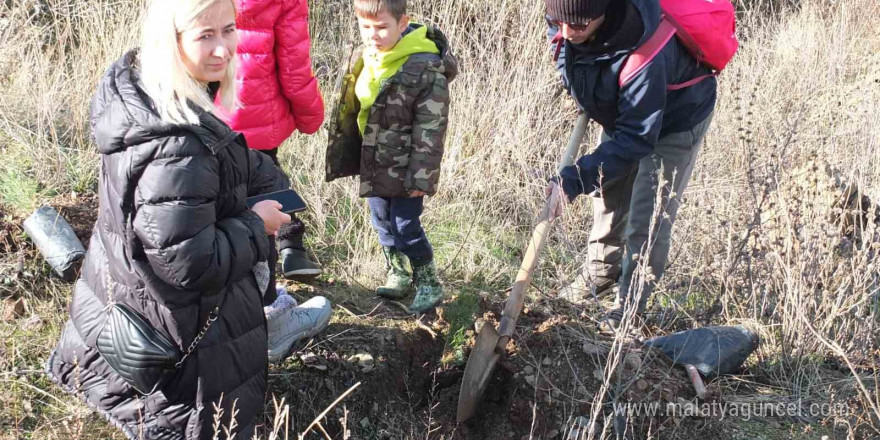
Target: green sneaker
<point>429,291</point>
<point>399,281</point>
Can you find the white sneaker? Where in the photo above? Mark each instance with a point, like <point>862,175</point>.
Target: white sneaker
<point>288,323</point>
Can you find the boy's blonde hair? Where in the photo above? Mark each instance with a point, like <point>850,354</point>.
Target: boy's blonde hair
<point>372,8</point>
<point>164,75</point>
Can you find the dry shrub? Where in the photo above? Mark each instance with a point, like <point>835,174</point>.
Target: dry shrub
<point>751,244</point>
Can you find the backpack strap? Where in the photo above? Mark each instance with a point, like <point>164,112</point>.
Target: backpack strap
<point>690,82</point>
<point>559,41</point>
<point>639,58</point>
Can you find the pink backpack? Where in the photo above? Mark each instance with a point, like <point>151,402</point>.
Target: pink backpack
<point>705,27</point>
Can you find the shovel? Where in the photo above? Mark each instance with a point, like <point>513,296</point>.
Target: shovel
<point>491,343</point>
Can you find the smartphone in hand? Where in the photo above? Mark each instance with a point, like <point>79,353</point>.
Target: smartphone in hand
<point>290,201</point>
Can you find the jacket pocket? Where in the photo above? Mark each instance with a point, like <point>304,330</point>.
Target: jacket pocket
<point>390,157</point>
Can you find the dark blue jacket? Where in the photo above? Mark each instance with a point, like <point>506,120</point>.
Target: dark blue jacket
<point>634,116</point>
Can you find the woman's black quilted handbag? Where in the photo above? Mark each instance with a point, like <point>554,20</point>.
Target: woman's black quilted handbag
<point>135,350</point>
<point>140,354</point>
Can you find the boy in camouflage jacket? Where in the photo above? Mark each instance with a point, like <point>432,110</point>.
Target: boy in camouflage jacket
<point>388,127</point>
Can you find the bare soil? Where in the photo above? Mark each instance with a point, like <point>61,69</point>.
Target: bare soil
<point>548,380</point>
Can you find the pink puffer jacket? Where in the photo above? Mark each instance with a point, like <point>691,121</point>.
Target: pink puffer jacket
<point>277,92</point>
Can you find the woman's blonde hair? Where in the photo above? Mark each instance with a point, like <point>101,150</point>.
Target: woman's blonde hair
<point>163,72</point>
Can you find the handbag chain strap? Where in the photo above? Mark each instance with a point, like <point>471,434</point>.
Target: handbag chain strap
<point>195,342</point>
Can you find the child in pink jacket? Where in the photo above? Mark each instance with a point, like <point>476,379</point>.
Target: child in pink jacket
<point>277,94</point>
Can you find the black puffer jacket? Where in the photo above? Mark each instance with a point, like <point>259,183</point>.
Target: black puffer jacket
<point>173,240</point>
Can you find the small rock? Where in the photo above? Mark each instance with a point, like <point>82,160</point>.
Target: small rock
<point>556,393</point>
<point>547,362</point>
<point>14,308</point>
<point>633,360</point>
<point>593,349</point>
<point>529,369</point>
<point>642,384</point>
<point>531,380</point>
<point>598,375</point>
<point>478,325</point>
<point>365,422</point>
<point>582,390</point>
<point>552,434</point>
<point>309,358</point>
<point>34,322</point>
<point>319,367</point>
<point>364,361</point>
<point>375,408</point>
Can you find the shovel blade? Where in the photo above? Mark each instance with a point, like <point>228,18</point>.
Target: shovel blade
<point>480,365</point>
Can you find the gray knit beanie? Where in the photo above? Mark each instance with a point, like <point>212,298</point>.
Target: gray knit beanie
<point>576,11</point>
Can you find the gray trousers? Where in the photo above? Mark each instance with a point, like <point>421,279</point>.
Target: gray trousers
<point>631,234</point>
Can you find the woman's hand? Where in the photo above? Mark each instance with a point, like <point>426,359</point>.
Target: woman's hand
<point>270,212</point>
<point>555,199</point>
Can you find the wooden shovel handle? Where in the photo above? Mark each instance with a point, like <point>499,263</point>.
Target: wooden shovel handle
<point>536,244</point>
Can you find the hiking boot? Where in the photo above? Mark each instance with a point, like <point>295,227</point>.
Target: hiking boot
<point>579,292</point>
<point>429,292</point>
<point>398,281</point>
<point>609,323</point>
<point>288,323</point>
<point>295,265</point>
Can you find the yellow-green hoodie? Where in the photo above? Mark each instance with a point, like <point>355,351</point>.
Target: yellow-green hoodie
<point>379,66</point>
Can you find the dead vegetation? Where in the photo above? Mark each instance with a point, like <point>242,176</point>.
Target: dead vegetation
<point>778,230</point>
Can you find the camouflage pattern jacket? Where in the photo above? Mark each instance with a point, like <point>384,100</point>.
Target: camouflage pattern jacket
<point>402,145</point>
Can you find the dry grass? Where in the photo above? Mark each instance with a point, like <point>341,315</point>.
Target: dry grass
<point>752,243</point>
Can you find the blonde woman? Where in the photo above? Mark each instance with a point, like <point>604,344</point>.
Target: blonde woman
<point>174,241</point>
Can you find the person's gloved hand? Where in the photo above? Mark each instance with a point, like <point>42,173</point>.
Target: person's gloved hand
<point>555,199</point>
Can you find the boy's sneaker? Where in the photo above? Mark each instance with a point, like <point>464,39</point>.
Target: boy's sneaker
<point>288,323</point>
<point>579,291</point>
<point>398,281</point>
<point>295,265</point>
<point>429,292</point>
